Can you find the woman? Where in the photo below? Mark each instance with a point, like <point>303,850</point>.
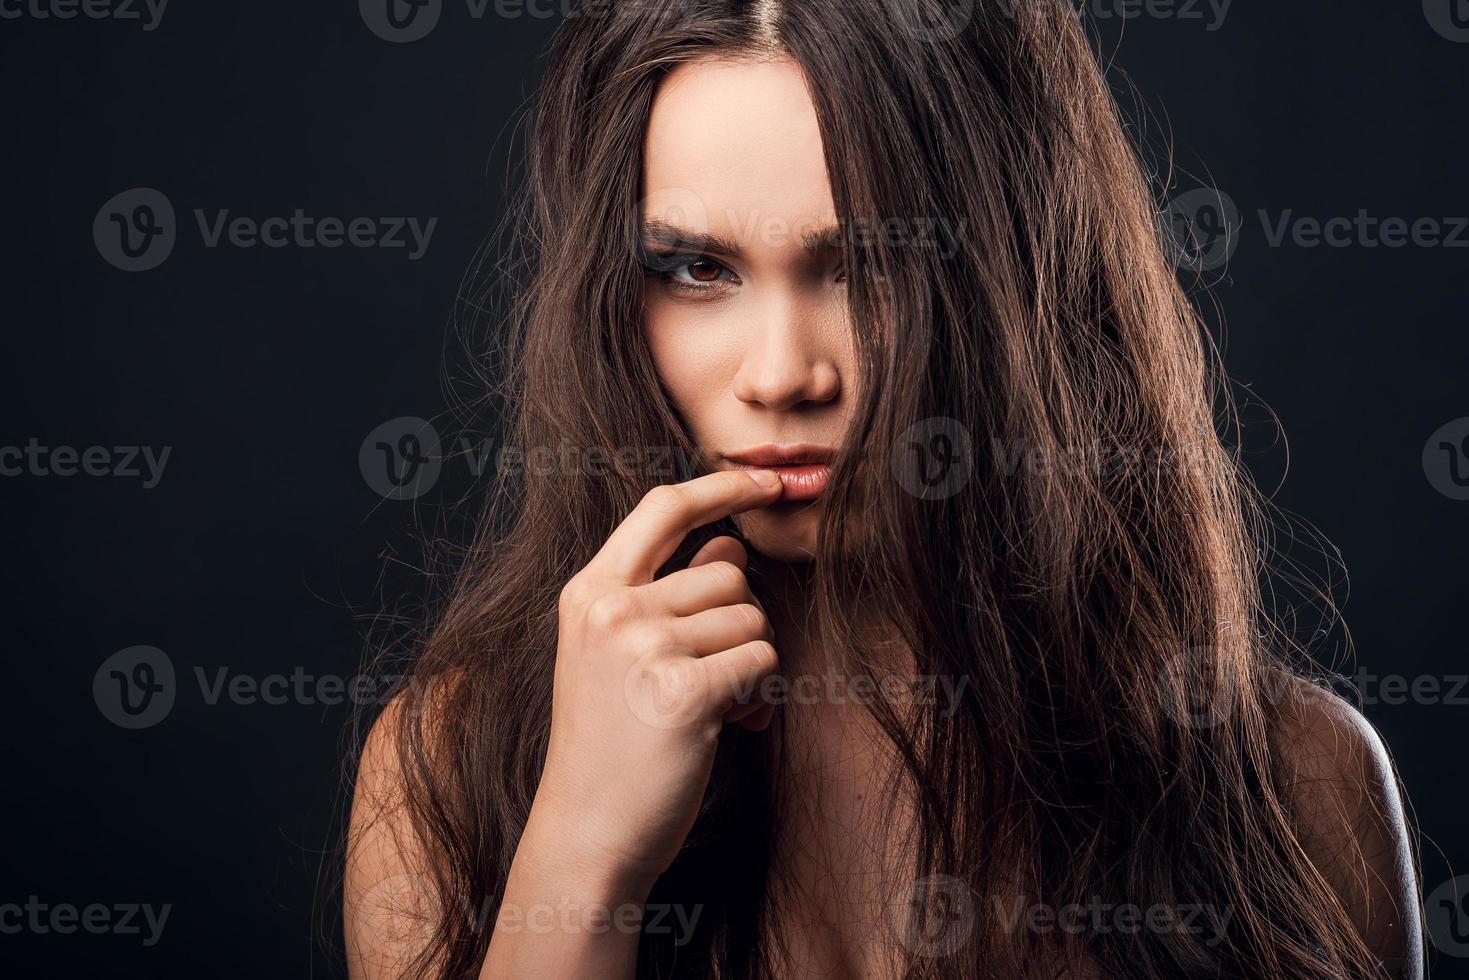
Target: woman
<point>948,658</point>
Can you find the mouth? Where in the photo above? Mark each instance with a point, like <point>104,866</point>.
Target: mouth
<point>804,469</point>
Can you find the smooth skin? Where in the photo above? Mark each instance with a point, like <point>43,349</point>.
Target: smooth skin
<point>753,339</point>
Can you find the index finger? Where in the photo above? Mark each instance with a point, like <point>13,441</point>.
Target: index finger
<point>648,536</point>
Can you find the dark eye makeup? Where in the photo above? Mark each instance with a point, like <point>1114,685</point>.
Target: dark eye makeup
<point>688,273</point>
<point>694,273</point>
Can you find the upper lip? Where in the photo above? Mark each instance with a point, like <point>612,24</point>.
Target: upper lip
<point>772,455</point>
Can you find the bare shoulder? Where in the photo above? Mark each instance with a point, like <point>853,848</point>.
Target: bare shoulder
<point>1339,780</point>
<point>387,888</point>
<point>407,729</point>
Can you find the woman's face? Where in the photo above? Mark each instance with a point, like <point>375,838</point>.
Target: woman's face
<point>747,321</point>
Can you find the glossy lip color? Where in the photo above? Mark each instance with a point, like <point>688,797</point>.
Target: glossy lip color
<point>804,469</point>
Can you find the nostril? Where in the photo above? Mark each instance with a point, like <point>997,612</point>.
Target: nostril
<point>817,383</point>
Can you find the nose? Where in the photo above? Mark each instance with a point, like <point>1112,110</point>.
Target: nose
<point>787,361</point>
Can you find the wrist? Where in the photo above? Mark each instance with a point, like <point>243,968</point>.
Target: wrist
<point>558,847</point>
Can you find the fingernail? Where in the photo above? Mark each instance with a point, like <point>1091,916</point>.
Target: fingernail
<point>766,478</point>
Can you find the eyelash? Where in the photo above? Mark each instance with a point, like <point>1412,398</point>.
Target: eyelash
<point>684,260</point>
<point>685,286</point>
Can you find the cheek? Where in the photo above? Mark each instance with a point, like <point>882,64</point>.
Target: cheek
<point>695,356</point>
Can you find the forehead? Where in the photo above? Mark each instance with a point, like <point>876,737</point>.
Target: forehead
<point>731,144</point>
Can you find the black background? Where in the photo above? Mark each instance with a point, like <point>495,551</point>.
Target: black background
<point>264,369</point>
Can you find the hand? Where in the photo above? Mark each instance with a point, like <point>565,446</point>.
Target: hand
<point>647,674</point>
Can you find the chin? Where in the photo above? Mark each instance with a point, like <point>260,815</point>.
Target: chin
<point>784,531</point>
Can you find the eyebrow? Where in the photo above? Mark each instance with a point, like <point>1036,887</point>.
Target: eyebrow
<point>657,232</point>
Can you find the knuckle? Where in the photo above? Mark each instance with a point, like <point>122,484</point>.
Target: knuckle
<point>666,498</point>
<point>610,611</point>
<point>735,480</point>
<point>671,674</point>
<point>763,655</point>
<point>730,574</point>
<point>574,594</point>
<point>683,695</point>
<point>751,618</point>
<point>646,637</point>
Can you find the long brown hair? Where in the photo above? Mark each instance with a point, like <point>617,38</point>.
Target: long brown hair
<point>1096,574</point>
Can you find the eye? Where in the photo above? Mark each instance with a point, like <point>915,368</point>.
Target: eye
<point>690,274</point>
<point>703,269</point>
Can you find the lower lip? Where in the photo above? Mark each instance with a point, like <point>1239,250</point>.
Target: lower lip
<point>801,481</point>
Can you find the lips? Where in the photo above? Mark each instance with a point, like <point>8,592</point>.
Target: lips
<point>804,469</point>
